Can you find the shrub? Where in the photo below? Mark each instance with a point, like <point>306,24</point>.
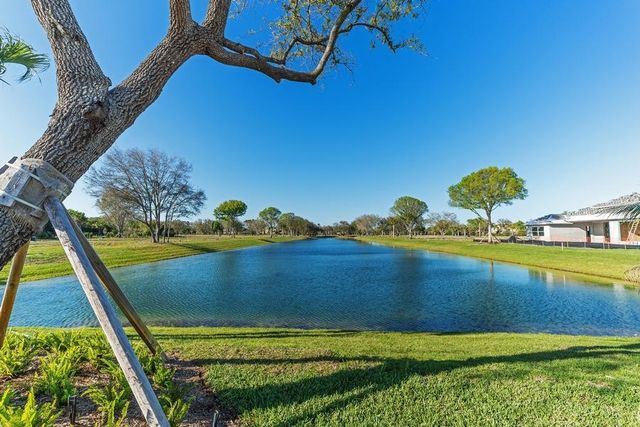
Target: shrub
<point>55,377</point>
<point>31,415</point>
<point>16,354</point>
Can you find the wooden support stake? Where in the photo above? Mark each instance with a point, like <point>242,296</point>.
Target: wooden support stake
<point>106,314</point>
<point>116,293</point>
<point>11,289</point>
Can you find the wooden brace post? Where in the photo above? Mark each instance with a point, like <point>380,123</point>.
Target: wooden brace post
<point>116,293</point>
<point>11,289</point>
<point>106,314</point>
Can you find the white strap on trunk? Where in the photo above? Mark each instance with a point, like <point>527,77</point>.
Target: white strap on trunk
<point>26,183</point>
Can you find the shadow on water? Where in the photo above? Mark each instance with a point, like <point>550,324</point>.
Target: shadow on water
<point>380,374</point>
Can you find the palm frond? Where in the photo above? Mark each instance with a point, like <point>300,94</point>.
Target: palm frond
<point>15,51</point>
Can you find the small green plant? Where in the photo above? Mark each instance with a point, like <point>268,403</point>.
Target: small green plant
<point>150,363</point>
<point>116,375</point>
<point>55,377</point>
<point>97,350</point>
<point>112,403</point>
<point>59,342</point>
<point>31,415</point>
<point>16,354</point>
<point>163,376</point>
<point>175,410</point>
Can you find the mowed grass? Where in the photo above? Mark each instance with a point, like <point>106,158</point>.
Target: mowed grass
<point>280,377</point>
<point>47,259</point>
<point>607,263</point>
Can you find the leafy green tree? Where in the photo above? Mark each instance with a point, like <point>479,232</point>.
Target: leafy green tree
<point>217,227</point>
<point>255,226</point>
<point>477,226</point>
<point>286,222</point>
<point>80,218</point>
<point>15,51</point>
<point>504,227</point>
<point>519,228</point>
<point>228,212</point>
<point>443,223</point>
<point>270,216</point>
<point>485,190</point>
<point>367,224</point>
<point>115,210</point>
<point>410,213</point>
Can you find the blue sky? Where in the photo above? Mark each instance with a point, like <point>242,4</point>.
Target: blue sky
<point>549,88</point>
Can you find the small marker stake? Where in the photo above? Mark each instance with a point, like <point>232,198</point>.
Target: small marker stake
<point>72,403</point>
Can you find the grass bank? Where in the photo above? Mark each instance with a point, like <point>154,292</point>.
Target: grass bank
<point>46,259</point>
<point>283,377</point>
<point>605,263</point>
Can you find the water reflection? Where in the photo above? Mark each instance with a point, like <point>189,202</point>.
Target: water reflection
<point>343,284</point>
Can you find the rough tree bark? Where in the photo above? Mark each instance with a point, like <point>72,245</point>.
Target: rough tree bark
<point>90,113</point>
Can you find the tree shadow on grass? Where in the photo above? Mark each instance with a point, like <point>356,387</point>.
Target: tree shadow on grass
<point>197,247</point>
<point>358,383</point>
<point>257,335</point>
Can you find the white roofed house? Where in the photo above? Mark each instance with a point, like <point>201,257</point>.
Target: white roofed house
<point>595,224</point>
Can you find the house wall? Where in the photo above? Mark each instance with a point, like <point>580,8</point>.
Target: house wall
<point>565,233</point>
<point>616,236</point>
<point>578,232</point>
<point>597,232</point>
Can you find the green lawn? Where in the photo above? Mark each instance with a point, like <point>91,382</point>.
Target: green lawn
<point>278,377</point>
<point>46,258</point>
<point>609,263</point>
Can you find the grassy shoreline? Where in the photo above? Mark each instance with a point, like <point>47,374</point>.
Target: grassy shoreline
<point>287,377</point>
<point>46,258</point>
<point>595,263</point>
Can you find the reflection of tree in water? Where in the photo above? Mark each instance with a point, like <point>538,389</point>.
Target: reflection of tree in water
<point>407,288</point>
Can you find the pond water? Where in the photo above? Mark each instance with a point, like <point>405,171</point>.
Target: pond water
<point>329,283</point>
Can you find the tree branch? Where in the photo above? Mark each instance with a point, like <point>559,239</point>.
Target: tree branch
<point>216,16</point>
<point>77,71</point>
<point>243,56</point>
<point>179,15</point>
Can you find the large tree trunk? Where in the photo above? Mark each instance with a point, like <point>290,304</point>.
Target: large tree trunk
<point>90,114</point>
<point>489,228</point>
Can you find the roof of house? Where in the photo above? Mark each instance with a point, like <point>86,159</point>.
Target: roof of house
<point>603,208</point>
<point>598,211</point>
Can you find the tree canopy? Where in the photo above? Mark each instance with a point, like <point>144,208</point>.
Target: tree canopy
<point>228,213</point>
<point>410,212</point>
<point>487,189</point>
<point>270,216</point>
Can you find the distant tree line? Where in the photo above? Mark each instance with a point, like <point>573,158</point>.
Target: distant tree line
<point>148,193</point>
<point>481,192</point>
<point>442,224</point>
